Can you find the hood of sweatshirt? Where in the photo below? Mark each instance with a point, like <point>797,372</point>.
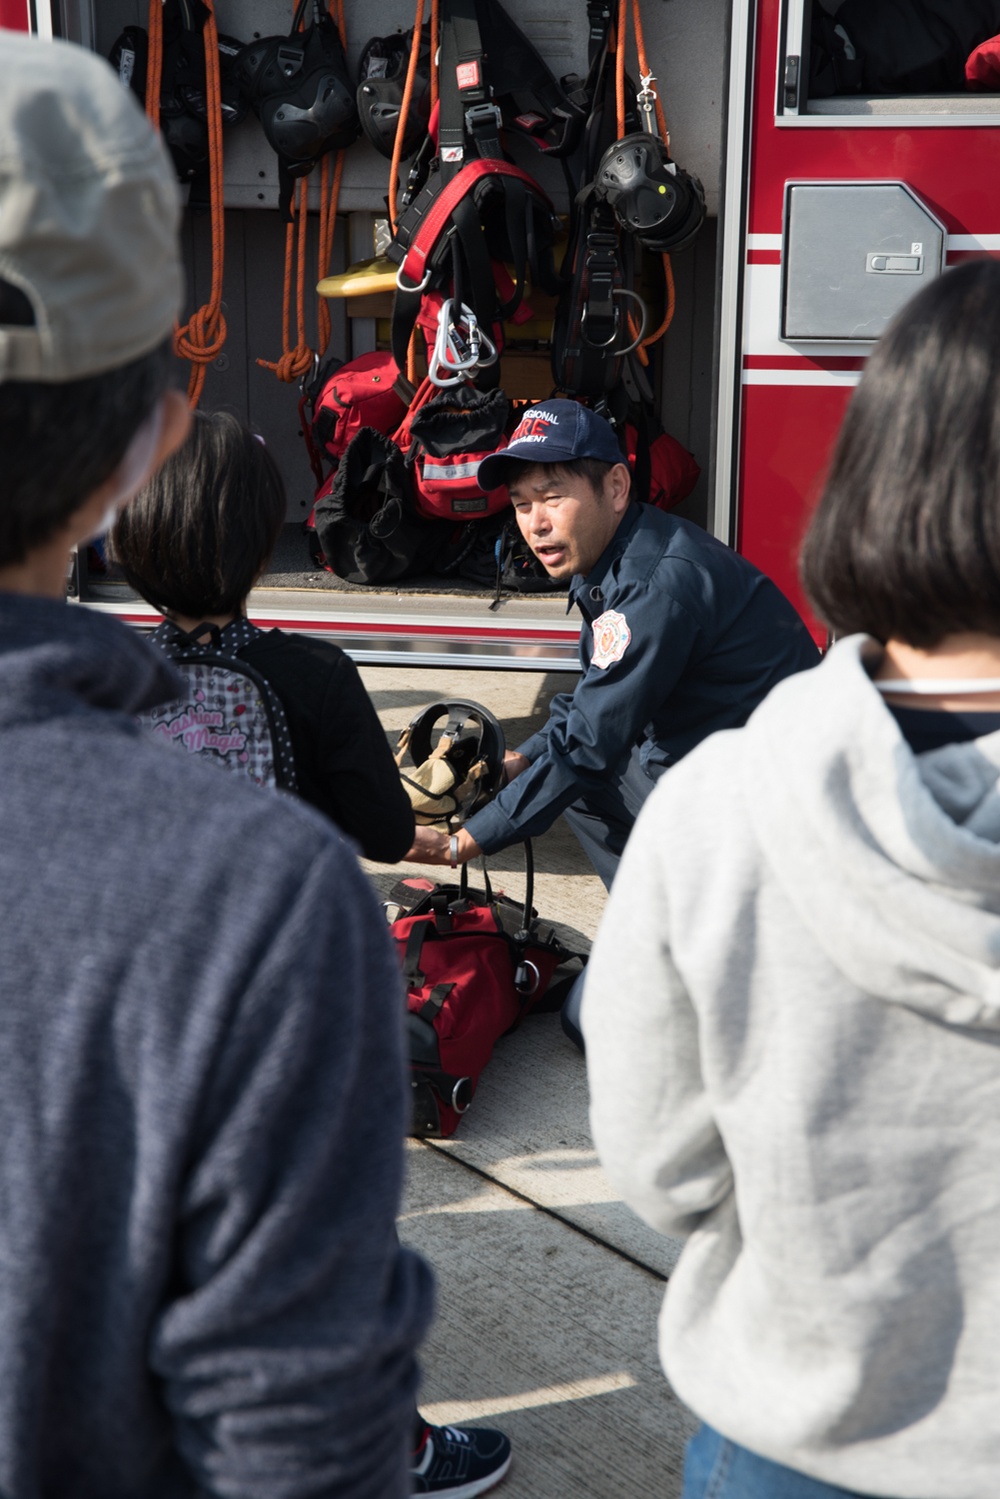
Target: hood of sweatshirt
<point>57,659</point>
<point>891,859</point>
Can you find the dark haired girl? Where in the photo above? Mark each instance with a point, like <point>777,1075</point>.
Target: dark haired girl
<point>193,543</point>
<point>793,1012</point>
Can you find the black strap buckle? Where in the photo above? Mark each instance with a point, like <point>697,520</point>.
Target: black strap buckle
<point>482,125</point>
<point>478,116</point>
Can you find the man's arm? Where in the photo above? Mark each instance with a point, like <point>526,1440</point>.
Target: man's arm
<point>433,847</point>
<point>592,738</point>
<point>286,1345</point>
<point>535,746</point>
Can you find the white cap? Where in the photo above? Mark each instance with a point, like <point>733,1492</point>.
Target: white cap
<point>89,216</point>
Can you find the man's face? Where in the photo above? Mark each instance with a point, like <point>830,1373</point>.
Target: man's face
<point>564,520</point>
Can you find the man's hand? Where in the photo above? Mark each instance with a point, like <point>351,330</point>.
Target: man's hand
<point>432,847</point>
<point>513,764</point>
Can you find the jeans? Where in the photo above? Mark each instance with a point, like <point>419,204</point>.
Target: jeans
<point>715,1468</point>
<point>603,818</point>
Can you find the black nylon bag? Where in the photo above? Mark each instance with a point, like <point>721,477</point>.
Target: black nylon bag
<point>493,554</point>
<point>459,419</point>
<point>366,524</point>
<point>917,46</point>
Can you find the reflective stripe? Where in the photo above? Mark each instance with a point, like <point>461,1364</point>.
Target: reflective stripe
<point>441,471</point>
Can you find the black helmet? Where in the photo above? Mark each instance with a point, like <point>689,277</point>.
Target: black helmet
<point>652,197</point>
<point>382,76</point>
<point>472,745</point>
<point>299,89</point>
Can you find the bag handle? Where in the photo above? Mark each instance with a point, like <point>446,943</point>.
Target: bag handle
<point>411,957</point>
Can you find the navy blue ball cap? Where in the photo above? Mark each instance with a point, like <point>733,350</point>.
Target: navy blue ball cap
<point>553,432</point>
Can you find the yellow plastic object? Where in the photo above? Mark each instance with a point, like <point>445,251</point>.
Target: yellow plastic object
<point>360,280</point>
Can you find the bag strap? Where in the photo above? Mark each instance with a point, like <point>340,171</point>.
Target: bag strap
<point>432,1005</point>
<point>186,647</point>
<point>518,71</point>
<point>423,223</point>
<point>468,117</point>
<point>411,957</point>
<point>599,17</point>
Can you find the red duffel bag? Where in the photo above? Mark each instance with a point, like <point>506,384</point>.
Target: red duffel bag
<point>474,964</point>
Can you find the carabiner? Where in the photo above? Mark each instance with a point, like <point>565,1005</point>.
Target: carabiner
<point>421,286</point>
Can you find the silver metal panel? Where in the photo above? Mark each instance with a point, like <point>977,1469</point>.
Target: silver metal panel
<point>853,253</point>
<point>732,233</point>
<point>407,634</point>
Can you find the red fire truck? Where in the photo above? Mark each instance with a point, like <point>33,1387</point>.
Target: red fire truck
<point>825,215</point>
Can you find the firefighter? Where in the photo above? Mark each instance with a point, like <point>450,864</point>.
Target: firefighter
<point>681,637</point>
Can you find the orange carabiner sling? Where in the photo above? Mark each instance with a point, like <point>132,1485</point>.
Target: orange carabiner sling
<point>296,360</point>
<point>201,338</point>
<point>661,122</point>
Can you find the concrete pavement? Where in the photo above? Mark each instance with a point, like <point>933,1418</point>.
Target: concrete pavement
<point>549,1287</point>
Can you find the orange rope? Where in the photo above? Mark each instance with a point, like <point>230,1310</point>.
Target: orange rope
<point>202,337</point>
<point>298,359</point>
<point>293,362</point>
<point>329,198</point>
<point>404,110</point>
<point>668,270</point>
<point>668,316</point>
<point>154,63</point>
<point>620,66</point>
<point>645,70</point>
<point>435,30</point>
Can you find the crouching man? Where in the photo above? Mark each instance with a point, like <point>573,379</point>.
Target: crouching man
<point>681,637</point>
<point>201,1080</point>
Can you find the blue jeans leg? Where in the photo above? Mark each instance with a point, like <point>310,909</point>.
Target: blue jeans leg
<point>605,815</point>
<point>715,1468</point>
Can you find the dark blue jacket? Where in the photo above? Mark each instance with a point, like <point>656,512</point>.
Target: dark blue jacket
<point>690,638</point>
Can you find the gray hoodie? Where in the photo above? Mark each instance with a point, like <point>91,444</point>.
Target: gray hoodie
<point>793,1036</point>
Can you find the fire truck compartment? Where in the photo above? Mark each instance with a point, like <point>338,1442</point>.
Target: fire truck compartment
<point>853,253</point>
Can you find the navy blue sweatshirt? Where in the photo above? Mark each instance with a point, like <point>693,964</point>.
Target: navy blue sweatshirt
<point>201,1111</point>
<point>681,637</point>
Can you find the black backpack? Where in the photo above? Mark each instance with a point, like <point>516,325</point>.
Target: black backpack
<point>366,523</point>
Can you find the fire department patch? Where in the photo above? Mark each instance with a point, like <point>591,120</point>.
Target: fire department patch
<point>611,636</point>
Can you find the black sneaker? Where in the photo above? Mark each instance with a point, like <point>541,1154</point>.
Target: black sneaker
<point>458,1462</point>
